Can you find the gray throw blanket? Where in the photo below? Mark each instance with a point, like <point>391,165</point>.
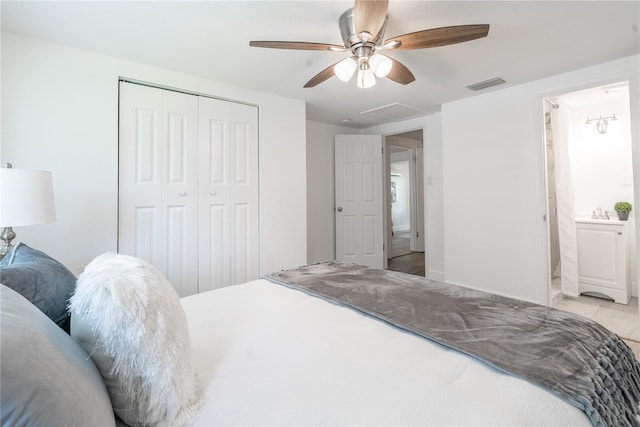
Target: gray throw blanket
<point>571,356</point>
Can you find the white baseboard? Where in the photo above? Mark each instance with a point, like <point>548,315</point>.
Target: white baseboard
<point>438,276</point>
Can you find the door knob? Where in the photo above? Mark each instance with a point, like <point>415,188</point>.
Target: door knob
<point>182,193</point>
<point>339,209</point>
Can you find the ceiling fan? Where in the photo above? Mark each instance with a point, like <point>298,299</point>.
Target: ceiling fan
<point>362,29</point>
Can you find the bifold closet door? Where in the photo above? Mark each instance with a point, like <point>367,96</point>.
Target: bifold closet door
<point>228,212</point>
<point>158,181</point>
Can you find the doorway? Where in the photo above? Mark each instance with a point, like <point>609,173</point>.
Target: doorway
<point>404,225</point>
<point>402,185</point>
<point>589,168</point>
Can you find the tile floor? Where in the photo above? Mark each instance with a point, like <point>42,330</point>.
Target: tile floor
<point>622,319</point>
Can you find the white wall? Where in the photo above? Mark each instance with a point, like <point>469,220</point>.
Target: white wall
<point>495,237</point>
<point>601,166</point>
<point>434,197</point>
<point>320,190</point>
<point>60,113</point>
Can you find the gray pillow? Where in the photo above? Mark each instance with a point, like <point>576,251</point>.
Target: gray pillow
<point>40,279</point>
<point>46,378</point>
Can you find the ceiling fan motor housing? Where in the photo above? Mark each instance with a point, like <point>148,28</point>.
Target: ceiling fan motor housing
<point>348,31</point>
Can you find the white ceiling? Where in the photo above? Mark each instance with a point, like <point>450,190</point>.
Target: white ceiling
<point>528,40</point>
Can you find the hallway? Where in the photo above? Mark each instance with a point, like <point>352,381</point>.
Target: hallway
<point>404,260</point>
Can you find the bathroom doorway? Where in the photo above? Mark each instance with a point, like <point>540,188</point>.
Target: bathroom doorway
<point>589,168</point>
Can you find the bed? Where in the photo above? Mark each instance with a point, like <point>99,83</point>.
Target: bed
<point>275,352</point>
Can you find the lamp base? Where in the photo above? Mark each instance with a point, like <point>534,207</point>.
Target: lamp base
<point>7,235</point>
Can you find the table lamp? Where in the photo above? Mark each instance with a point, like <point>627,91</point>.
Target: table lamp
<point>26,198</point>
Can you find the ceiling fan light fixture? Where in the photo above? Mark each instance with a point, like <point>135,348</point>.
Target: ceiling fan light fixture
<point>344,69</point>
<point>362,29</point>
<point>366,78</point>
<point>381,65</point>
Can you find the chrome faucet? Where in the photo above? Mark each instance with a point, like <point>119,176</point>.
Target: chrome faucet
<point>598,214</point>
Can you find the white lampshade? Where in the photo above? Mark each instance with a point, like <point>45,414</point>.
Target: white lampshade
<point>381,65</point>
<point>26,197</point>
<point>366,78</point>
<point>345,69</point>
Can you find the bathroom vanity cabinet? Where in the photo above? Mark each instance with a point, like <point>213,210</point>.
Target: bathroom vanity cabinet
<point>603,258</point>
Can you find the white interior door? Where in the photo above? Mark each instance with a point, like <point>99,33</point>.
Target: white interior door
<point>158,181</point>
<point>358,193</point>
<point>228,237</point>
<point>188,187</point>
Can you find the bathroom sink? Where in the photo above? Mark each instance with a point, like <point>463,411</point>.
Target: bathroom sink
<point>613,220</point>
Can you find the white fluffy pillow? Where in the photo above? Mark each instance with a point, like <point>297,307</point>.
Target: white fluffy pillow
<point>128,317</point>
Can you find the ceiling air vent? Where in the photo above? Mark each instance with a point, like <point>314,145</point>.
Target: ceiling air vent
<point>487,83</point>
<point>394,112</point>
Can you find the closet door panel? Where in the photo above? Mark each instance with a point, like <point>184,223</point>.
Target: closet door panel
<point>180,190</point>
<point>217,147</point>
<point>140,183</point>
<point>147,146</point>
<point>244,191</point>
<point>178,260</point>
<point>158,182</point>
<point>146,223</point>
<point>242,228</point>
<point>242,159</point>
<point>229,179</point>
<point>177,149</point>
<point>218,252</point>
<point>189,187</point>
<point>213,238</point>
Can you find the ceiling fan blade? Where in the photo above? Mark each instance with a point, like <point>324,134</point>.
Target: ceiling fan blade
<point>399,73</point>
<point>443,36</point>
<point>321,76</point>
<point>297,45</point>
<point>369,15</point>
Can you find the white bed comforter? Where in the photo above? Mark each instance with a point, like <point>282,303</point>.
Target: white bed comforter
<point>268,355</point>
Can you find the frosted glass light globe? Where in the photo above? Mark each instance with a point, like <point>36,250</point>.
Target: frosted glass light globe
<point>381,65</point>
<point>366,78</point>
<point>345,69</point>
